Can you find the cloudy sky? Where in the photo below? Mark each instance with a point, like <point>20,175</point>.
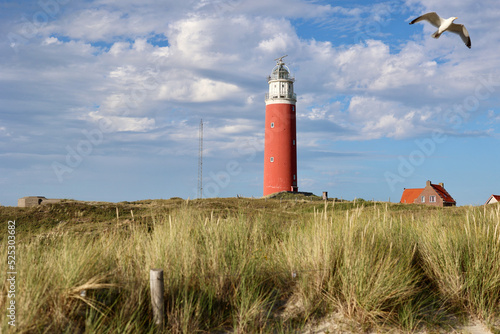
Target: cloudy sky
<point>102,99</point>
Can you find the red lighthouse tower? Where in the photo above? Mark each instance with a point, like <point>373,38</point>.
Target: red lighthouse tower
<point>280,148</point>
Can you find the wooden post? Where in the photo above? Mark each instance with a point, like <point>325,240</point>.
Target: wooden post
<point>157,299</point>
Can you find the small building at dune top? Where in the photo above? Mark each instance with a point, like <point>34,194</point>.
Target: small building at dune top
<point>493,199</point>
<point>30,201</point>
<point>432,194</point>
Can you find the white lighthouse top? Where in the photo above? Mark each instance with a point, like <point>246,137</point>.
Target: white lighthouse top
<point>280,84</point>
<point>281,71</point>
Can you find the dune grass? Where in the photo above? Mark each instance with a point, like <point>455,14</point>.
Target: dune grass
<point>261,267</point>
<point>462,257</point>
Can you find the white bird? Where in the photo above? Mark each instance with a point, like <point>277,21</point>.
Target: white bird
<point>445,25</point>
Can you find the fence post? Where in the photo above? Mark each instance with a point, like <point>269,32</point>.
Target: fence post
<point>157,299</point>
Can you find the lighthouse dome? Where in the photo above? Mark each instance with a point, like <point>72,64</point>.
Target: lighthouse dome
<point>281,71</point>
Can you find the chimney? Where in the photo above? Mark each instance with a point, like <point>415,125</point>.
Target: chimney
<point>441,184</point>
<point>428,183</point>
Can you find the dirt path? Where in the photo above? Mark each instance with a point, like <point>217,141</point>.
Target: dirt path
<point>335,324</point>
<point>475,328</point>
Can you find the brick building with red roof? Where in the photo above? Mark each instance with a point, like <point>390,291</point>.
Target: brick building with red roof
<point>432,194</point>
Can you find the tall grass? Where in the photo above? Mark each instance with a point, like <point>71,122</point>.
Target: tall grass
<point>375,273</point>
<point>260,271</point>
<point>462,257</point>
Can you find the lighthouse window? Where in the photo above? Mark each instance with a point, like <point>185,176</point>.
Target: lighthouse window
<point>272,125</point>
<point>294,142</point>
<point>272,159</point>
<point>294,176</point>
<point>293,108</point>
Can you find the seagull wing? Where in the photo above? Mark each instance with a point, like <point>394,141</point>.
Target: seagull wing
<point>460,30</point>
<point>432,17</point>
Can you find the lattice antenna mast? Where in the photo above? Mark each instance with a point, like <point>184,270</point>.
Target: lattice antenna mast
<point>200,160</point>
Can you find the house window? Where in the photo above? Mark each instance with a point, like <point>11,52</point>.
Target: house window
<point>272,159</point>
<point>272,125</point>
<point>422,199</point>
<point>432,199</point>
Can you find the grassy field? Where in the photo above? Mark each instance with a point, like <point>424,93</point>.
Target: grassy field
<point>253,266</point>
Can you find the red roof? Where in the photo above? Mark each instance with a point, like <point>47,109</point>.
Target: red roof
<point>409,195</point>
<point>497,197</point>
<point>443,193</point>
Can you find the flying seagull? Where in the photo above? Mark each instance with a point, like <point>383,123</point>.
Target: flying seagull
<point>445,25</point>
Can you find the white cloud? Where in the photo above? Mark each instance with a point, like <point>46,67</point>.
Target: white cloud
<point>104,23</point>
<point>211,58</point>
<point>228,44</point>
<point>122,124</point>
<point>4,132</point>
<point>494,116</point>
<point>52,40</point>
<point>195,89</point>
<point>377,118</point>
<point>278,43</point>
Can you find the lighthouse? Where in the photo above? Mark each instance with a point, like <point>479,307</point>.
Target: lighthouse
<point>280,146</point>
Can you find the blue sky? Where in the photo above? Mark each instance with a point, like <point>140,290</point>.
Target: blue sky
<point>101,100</point>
